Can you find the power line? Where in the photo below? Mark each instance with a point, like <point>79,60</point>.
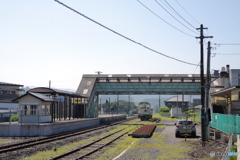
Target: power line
<point>187,12</point>
<point>226,53</point>
<point>220,44</point>
<point>179,14</point>
<point>175,17</point>
<point>163,19</point>
<point>196,68</point>
<point>122,35</point>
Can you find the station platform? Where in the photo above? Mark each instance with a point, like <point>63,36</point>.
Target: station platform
<point>15,129</point>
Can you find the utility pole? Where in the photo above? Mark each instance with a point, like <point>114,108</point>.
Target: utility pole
<point>208,83</point>
<point>159,101</point>
<point>49,83</point>
<point>117,102</point>
<point>98,72</point>
<point>203,109</point>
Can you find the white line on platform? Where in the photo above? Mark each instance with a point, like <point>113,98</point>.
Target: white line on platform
<point>124,151</point>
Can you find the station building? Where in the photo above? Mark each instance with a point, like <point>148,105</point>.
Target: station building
<point>226,100</point>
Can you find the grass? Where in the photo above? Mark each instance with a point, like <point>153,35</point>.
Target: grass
<point>71,146</point>
<point>167,151</point>
<point>157,115</point>
<point>172,152</point>
<point>60,150</point>
<point>193,118</point>
<point>120,146</point>
<point>234,149</point>
<point>8,140</point>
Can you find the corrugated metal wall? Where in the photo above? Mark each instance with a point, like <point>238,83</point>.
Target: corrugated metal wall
<point>226,123</point>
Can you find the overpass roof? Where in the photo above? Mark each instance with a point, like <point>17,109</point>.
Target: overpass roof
<point>141,75</point>
<point>119,82</point>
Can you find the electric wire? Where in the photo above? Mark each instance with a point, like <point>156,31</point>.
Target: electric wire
<point>199,63</point>
<point>121,34</point>
<point>196,68</point>
<point>226,53</point>
<point>187,12</point>
<point>220,44</point>
<point>179,14</point>
<point>163,19</point>
<point>174,17</point>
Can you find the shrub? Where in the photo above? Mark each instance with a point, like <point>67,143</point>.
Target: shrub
<point>189,112</point>
<point>14,117</point>
<point>164,109</point>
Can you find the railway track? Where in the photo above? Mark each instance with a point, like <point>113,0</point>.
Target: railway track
<point>90,148</point>
<point>38,141</point>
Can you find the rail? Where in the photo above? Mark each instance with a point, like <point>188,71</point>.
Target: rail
<point>30,143</point>
<point>88,146</point>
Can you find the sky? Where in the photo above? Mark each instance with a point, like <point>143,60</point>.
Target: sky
<point>43,40</point>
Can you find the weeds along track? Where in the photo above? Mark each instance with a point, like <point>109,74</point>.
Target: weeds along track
<point>87,149</point>
<point>39,141</point>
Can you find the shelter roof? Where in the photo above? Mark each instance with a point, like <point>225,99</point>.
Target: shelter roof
<point>53,91</point>
<point>36,95</point>
<point>225,92</point>
<point>198,107</point>
<point>176,99</point>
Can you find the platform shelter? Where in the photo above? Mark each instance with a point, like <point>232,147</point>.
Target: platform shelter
<point>44,104</point>
<point>34,108</point>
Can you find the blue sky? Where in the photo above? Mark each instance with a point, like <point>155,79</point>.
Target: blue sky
<point>42,40</point>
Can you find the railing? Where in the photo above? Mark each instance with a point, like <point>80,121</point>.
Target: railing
<point>4,96</point>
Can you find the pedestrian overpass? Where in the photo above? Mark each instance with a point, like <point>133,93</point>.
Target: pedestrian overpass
<point>92,86</point>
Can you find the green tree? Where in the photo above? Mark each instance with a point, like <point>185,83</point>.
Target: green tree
<point>120,106</point>
<point>164,109</point>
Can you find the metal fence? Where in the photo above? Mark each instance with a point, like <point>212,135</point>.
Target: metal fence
<point>226,123</point>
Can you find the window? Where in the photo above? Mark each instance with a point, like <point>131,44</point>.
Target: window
<point>29,109</point>
<point>45,110</point>
<point>184,122</point>
<point>89,83</point>
<point>33,109</point>
<point>85,91</point>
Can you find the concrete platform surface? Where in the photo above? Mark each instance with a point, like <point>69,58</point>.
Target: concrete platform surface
<point>15,129</point>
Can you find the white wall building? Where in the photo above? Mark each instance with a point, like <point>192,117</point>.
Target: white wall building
<point>34,108</point>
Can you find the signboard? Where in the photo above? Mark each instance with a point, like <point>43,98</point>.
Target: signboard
<point>80,100</point>
<point>77,100</point>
